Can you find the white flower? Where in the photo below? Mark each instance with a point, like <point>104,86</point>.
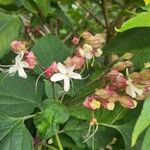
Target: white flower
<point>65,74</point>
<point>18,66</point>
<point>132,90</point>
<point>86,51</point>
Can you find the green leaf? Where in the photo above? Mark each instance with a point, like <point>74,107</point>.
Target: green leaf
<point>141,20</point>
<point>126,131</point>
<point>45,124</point>
<point>49,49</point>
<point>49,89</point>
<point>134,41</point>
<point>14,135</point>
<point>47,121</point>
<point>11,26</point>
<point>17,95</point>
<point>6,2</point>
<point>44,6</point>
<point>143,121</point>
<point>146,141</point>
<point>56,109</point>
<point>76,129</point>
<point>102,115</point>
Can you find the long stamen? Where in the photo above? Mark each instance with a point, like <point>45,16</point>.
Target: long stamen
<point>36,83</point>
<point>93,60</point>
<point>91,134</point>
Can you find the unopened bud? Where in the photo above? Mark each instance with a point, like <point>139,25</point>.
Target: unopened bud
<point>127,56</point>
<point>18,47</point>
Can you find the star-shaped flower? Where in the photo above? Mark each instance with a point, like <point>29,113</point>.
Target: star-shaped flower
<point>18,67</point>
<point>65,74</point>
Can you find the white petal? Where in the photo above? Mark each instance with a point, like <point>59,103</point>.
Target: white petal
<point>18,58</point>
<point>130,91</point>
<point>88,55</point>
<point>75,76</point>
<point>62,68</point>
<point>22,73</point>
<point>57,77</point>
<point>98,52</point>
<point>66,84</point>
<point>24,64</point>
<point>138,91</point>
<point>70,69</point>
<point>13,69</point>
<point>81,52</point>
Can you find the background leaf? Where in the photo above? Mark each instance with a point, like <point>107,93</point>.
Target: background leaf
<point>14,135</point>
<point>12,26</point>
<point>135,41</point>
<point>49,49</point>
<point>141,20</point>
<point>143,121</point>
<point>17,95</point>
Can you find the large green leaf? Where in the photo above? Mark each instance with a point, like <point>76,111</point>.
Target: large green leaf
<point>146,141</point>
<point>135,41</point>
<point>143,121</point>
<point>76,129</point>
<point>141,20</point>
<point>11,26</point>
<point>44,6</point>
<point>47,121</point>
<point>14,135</point>
<point>49,49</point>
<point>6,2</point>
<point>17,95</point>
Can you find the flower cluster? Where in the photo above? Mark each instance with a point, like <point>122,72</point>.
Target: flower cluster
<point>24,59</point>
<point>125,89</point>
<point>85,51</point>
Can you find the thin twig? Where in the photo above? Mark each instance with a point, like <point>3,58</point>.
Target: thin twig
<point>26,23</point>
<point>91,13</point>
<point>105,14</point>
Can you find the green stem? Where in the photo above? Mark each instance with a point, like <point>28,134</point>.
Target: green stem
<point>50,147</point>
<point>58,142</point>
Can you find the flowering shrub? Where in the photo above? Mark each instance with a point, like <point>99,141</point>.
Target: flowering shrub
<point>65,88</point>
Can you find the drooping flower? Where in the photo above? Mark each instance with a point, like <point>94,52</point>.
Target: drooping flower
<point>49,71</point>
<point>76,61</point>
<point>86,51</point>
<point>65,74</point>
<point>18,67</point>
<point>132,90</point>
<point>30,59</point>
<point>127,102</point>
<point>18,47</point>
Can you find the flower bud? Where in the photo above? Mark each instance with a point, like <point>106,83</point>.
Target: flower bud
<point>135,77</point>
<point>127,56</point>
<point>107,105</point>
<point>127,102</point>
<point>93,121</point>
<point>91,103</point>
<point>51,69</point>
<point>86,35</point>
<point>119,66</point>
<point>76,61</point>
<point>18,47</point>
<point>111,96</point>
<point>30,59</point>
<point>75,40</point>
